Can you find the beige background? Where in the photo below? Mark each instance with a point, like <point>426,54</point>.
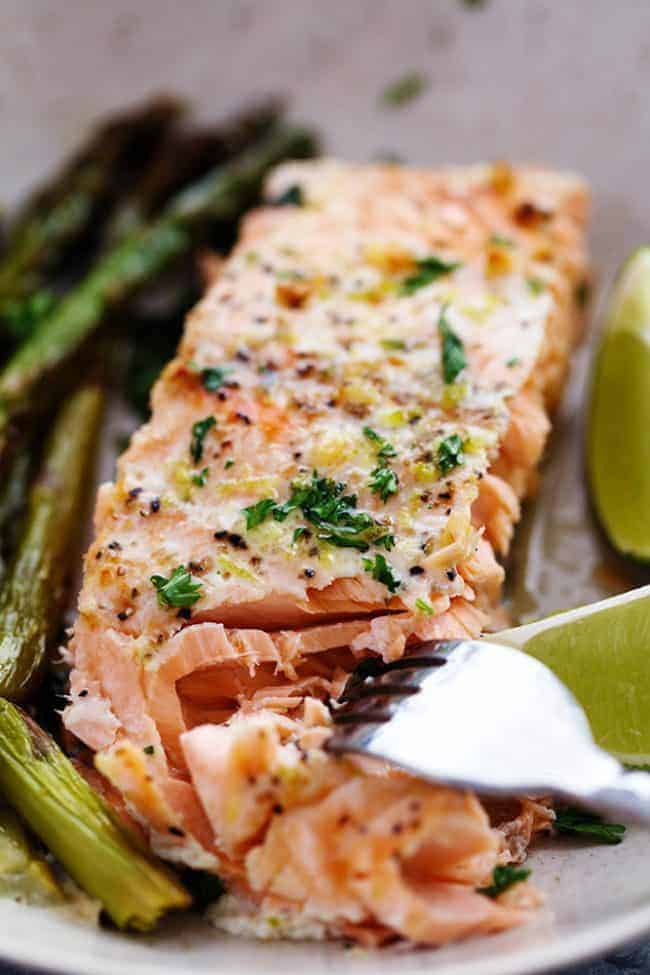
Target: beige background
<point>563,81</point>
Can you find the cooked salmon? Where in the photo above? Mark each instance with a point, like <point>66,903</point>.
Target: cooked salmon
<point>333,468</point>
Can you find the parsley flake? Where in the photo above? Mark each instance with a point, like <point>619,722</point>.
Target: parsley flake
<point>535,285</point>
<point>201,478</point>
<point>181,589</point>
<point>229,463</point>
<point>386,448</point>
<point>257,513</point>
<point>213,377</point>
<point>454,359</point>
<point>384,482</point>
<point>385,541</point>
<point>424,607</point>
<point>500,240</point>
<point>504,877</point>
<point>397,344</point>
<point>404,89</point>
<point>572,820</point>
<point>511,363</point>
<point>382,571</point>
<point>292,196</point>
<point>450,453</point>
<point>200,430</point>
<point>428,270</point>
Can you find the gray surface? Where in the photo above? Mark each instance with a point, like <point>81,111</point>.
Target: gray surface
<point>560,82</point>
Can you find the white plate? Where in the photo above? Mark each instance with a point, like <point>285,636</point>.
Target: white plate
<point>563,83</point>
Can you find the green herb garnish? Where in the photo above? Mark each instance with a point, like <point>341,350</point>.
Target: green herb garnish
<point>424,607</point>
<point>181,589</point>
<point>292,196</point>
<point>201,478</point>
<point>257,513</point>
<point>385,541</point>
<point>499,240</point>
<point>572,820</point>
<point>384,482</point>
<point>449,454</point>
<point>324,504</point>
<point>213,377</point>
<point>404,89</point>
<point>200,430</point>
<point>535,285</point>
<point>397,344</point>
<point>148,749</point>
<point>429,269</point>
<point>383,572</point>
<point>386,448</point>
<point>229,463</point>
<point>511,363</point>
<point>502,878</point>
<point>454,359</point>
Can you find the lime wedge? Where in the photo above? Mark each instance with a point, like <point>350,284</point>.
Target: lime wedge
<point>618,449</point>
<point>602,653</point>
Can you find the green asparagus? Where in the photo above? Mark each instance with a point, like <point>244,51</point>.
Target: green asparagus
<point>79,827</point>
<point>66,209</point>
<point>24,873</point>
<point>222,194</point>
<point>13,494</point>
<point>31,595</point>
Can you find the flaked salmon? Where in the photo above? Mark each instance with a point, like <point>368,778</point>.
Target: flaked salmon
<point>333,467</point>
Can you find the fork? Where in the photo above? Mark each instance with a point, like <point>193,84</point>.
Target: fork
<point>477,715</point>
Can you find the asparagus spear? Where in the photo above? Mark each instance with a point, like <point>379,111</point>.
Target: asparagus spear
<point>185,157</point>
<point>24,873</point>
<point>13,495</point>
<point>64,210</point>
<point>31,596</point>
<point>222,194</point>
<point>79,828</point>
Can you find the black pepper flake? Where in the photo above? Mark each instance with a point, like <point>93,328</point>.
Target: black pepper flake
<point>416,570</point>
<point>244,418</point>
<point>135,492</point>
<point>309,573</point>
<point>98,554</point>
<point>154,505</point>
<point>220,536</point>
<point>115,546</point>
<point>237,541</point>
<point>123,615</point>
<point>242,355</point>
<point>175,831</point>
<point>445,495</point>
<point>278,808</point>
<point>297,454</point>
<point>185,613</point>
<point>134,592</point>
<point>83,693</point>
<point>451,574</point>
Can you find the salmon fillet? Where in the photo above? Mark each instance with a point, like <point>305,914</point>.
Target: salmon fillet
<point>333,467</point>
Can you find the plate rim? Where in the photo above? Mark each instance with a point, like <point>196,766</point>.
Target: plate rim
<point>581,946</point>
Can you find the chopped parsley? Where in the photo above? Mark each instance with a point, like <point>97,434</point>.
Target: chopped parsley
<point>257,513</point>
<point>181,589</point>
<point>428,270</point>
<point>404,89</point>
<point>148,749</point>
<point>201,478</point>
<point>383,572</point>
<point>499,240</point>
<point>385,541</point>
<point>229,463</point>
<point>213,377</point>
<point>511,363</point>
<point>503,878</point>
<point>424,607</point>
<point>298,534</point>
<point>449,454</point>
<point>577,821</point>
<point>454,359</point>
<point>200,430</point>
<point>292,196</point>
<point>386,448</point>
<point>324,505</point>
<point>535,285</point>
<point>384,482</point>
<point>397,344</point>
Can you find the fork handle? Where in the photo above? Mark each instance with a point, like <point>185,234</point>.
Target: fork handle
<point>627,798</point>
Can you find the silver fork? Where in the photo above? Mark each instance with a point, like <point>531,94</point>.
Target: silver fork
<point>478,715</point>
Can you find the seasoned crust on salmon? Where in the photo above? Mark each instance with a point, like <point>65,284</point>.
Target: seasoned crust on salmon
<point>334,463</point>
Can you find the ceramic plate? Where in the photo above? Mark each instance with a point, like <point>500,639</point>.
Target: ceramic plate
<point>537,80</point>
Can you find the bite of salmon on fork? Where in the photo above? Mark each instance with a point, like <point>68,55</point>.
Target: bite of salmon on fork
<point>332,471</point>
